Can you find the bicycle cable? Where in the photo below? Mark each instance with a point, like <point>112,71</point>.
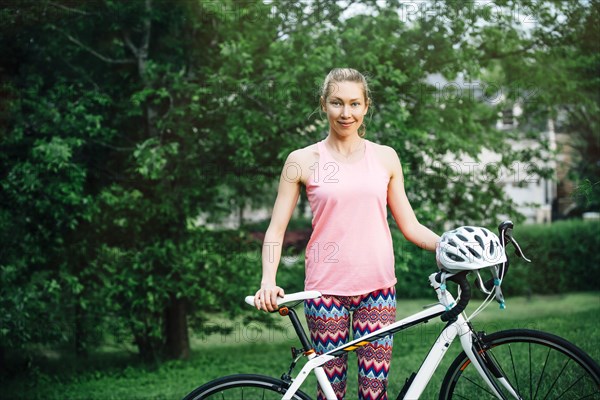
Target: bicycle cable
<point>488,300</point>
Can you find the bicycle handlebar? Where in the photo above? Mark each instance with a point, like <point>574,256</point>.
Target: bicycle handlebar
<point>465,297</point>
<point>505,234</point>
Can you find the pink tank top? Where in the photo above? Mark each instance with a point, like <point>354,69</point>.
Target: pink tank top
<point>350,251</point>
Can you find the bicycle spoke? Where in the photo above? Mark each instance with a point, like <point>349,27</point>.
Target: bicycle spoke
<point>479,386</point>
<point>542,374</point>
<point>557,378</point>
<point>588,396</point>
<point>530,371</point>
<point>512,360</point>
<point>569,388</point>
<point>491,354</point>
<point>493,359</point>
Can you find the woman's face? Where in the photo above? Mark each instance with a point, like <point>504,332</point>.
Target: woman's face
<point>346,107</point>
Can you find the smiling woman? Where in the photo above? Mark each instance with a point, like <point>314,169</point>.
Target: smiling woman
<point>350,181</point>
<point>345,97</point>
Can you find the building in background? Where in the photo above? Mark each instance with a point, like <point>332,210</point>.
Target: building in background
<point>539,199</point>
<point>534,195</point>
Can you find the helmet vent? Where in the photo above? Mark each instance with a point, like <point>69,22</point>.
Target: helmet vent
<point>456,258</point>
<point>492,250</point>
<point>461,237</point>
<point>480,241</point>
<point>469,229</point>
<point>476,254</point>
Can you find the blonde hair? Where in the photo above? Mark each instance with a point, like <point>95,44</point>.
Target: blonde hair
<point>338,75</point>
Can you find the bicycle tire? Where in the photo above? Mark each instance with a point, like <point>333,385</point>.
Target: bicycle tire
<point>243,386</point>
<point>537,364</point>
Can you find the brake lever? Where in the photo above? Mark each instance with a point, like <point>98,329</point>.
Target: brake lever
<point>518,250</point>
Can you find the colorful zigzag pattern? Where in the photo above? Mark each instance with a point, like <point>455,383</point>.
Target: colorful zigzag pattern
<point>328,320</point>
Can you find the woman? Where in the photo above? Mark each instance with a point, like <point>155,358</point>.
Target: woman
<point>349,258</point>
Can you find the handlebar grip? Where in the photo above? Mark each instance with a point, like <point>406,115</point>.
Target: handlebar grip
<point>465,296</point>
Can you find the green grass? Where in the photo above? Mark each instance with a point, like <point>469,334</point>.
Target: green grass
<point>256,349</point>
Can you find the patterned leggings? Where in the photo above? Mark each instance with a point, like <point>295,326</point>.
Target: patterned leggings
<point>328,320</point>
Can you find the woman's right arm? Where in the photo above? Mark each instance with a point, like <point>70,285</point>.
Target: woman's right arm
<point>287,198</point>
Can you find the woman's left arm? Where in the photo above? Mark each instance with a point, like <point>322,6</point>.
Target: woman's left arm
<point>401,209</point>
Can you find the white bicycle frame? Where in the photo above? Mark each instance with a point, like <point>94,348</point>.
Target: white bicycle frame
<point>460,328</point>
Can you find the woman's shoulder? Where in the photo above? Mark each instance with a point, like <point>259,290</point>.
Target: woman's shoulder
<point>384,153</point>
<point>305,154</point>
<point>301,161</point>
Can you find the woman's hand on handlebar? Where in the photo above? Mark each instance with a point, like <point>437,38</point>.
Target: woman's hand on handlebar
<point>266,298</point>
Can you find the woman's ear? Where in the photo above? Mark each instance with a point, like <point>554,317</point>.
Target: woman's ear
<point>322,101</point>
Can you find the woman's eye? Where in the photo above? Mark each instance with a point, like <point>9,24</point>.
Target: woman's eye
<point>355,104</point>
<point>336,103</point>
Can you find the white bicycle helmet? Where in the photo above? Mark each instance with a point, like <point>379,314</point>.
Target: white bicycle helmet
<point>469,248</point>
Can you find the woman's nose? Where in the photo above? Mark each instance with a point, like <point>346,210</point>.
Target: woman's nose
<point>345,111</point>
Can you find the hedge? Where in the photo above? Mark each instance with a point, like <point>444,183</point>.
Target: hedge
<point>564,258</point>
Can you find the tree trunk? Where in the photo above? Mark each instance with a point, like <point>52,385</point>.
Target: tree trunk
<point>177,344</point>
<point>146,349</point>
<point>241,215</point>
<point>80,336</point>
<point>3,363</point>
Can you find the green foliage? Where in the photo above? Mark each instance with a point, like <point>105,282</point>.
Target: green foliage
<point>563,255</point>
<point>567,88</point>
<point>122,122</point>
<point>413,266</point>
<point>587,195</point>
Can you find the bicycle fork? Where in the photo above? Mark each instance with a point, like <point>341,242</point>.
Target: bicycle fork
<point>486,366</point>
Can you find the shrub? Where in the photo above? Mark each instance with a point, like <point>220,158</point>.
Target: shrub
<point>564,259</point>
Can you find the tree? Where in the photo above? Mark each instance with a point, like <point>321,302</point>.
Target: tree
<point>158,161</point>
<point>561,70</point>
<point>125,121</point>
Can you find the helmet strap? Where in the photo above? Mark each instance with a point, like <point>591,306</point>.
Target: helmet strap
<point>444,301</point>
<point>497,287</point>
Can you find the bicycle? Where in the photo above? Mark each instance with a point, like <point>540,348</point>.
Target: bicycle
<point>512,364</point>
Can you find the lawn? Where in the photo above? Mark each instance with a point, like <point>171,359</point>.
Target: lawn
<point>256,349</point>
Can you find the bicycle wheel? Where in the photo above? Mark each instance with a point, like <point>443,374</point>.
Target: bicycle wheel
<point>237,387</point>
<point>537,365</point>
